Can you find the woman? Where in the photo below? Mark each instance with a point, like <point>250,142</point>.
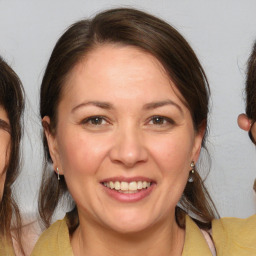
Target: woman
<point>247,122</point>
<point>11,109</point>
<point>124,106</point>
<point>241,232</point>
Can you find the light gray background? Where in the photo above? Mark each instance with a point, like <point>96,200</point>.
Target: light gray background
<point>221,32</point>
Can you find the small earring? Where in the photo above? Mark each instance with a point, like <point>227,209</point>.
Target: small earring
<point>58,173</point>
<point>192,171</point>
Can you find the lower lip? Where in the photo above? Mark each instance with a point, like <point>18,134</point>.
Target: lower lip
<point>129,198</point>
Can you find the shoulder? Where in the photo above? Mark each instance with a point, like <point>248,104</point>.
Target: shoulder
<point>6,247</point>
<point>54,241</point>
<point>234,235</point>
<point>195,241</point>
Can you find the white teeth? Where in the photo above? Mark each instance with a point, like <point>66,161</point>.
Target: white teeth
<point>117,185</point>
<point>127,187</point>
<point>111,184</point>
<point>133,185</point>
<point>139,184</point>
<point>124,185</point>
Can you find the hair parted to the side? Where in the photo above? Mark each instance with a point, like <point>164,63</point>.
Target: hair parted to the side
<point>12,100</point>
<point>150,34</point>
<point>251,89</point>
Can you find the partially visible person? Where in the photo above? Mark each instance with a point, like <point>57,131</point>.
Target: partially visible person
<point>247,121</point>
<point>238,232</point>
<point>11,110</point>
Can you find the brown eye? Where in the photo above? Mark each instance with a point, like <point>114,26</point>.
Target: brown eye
<point>160,120</point>
<point>94,121</point>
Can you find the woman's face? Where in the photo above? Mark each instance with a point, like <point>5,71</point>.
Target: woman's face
<point>4,147</point>
<point>124,139</point>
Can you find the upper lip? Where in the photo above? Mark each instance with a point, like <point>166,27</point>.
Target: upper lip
<point>127,179</point>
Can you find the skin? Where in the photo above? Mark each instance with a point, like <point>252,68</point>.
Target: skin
<point>246,124</point>
<point>127,141</point>
<point>4,148</point>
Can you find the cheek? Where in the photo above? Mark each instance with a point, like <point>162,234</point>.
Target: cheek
<point>172,153</point>
<point>172,156</point>
<point>81,153</point>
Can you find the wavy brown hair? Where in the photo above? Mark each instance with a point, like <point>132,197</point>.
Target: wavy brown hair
<point>12,100</point>
<point>134,28</point>
<point>251,89</point>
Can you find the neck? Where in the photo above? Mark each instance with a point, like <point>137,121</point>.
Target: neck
<point>164,238</point>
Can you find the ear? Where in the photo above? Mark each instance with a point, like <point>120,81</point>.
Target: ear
<point>199,135</point>
<point>52,143</point>
<point>244,122</point>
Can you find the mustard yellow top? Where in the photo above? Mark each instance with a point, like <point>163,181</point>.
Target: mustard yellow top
<point>6,248</point>
<point>55,241</point>
<point>233,236</point>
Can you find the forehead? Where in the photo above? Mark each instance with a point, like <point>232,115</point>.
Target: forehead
<point>111,59</point>
<point>114,67</point>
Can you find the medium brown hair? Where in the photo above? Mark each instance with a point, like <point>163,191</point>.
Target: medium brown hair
<point>12,100</point>
<point>251,89</point>
<point>150,34</point>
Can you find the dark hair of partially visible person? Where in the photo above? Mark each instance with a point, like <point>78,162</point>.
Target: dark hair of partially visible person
<point>128,27</point>
<point>251,89</point>
<point>12,100</point>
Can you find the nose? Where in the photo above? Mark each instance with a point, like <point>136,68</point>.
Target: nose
<point>128,148</point>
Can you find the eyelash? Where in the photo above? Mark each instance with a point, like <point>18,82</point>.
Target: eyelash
<point>91,119</point>
<point>166,120</point>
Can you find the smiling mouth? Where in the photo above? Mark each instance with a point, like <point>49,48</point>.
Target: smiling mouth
<point>127,187</point>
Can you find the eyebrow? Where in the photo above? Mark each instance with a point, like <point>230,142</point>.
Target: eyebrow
<point>4,125</point>
<point>158,104</point>
<point>100,104</point>
<point>148,106</point>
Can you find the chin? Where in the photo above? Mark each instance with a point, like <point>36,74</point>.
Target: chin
<point>128,223</point>
<point>129,228</point>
